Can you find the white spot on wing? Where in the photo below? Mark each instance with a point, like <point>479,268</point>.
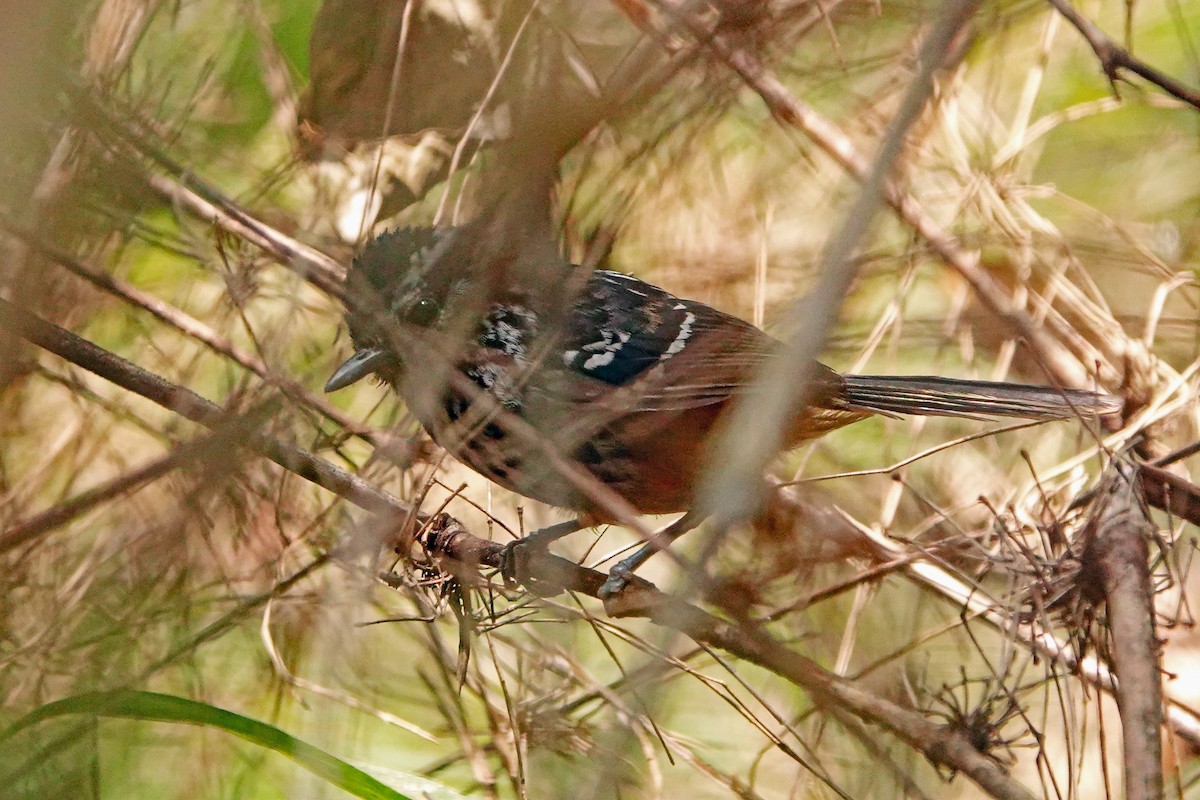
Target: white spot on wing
<point>604,351</point>
<point>600,359</point>
<point>628,280</point>
<point>685,333</point>
<point>509,337</point>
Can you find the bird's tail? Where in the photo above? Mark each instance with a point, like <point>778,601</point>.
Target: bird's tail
<point>951,397</point>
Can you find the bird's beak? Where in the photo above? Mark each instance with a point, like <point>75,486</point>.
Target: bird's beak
<point>357,367</point>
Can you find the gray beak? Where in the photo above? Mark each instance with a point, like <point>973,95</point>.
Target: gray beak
<point>357,367</point>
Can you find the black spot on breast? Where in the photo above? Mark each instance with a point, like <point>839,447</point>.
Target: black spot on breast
<point>512,462</point>
<point>493,431</point>
<point>589,453</point>
<point>500,473</point>
<point>455,406</point>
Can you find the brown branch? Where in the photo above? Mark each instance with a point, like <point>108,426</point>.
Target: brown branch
<point>463,554</point>
<point>1178,454</point>
<point>193,328</point>
<point>1114,58</point>
<point>1165,490</point>
<point>188,404</point>
<point>219,444</point>
<point>1116,554</point>
<point>207,202</point>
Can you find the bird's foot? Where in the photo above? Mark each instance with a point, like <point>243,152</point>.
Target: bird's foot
<point>516,566</point>
<point>518,555</point>
<point>513,562</point>
<point>618,579</point>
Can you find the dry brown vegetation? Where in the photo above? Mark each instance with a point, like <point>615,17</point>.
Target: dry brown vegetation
<point>927,608</point>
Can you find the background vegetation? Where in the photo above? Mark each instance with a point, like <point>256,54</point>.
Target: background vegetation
<point>183,181</point>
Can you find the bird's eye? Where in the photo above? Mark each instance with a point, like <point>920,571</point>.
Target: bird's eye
<point>424,312</point>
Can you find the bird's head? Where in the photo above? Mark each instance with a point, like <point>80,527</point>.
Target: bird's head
<point>397,286</point>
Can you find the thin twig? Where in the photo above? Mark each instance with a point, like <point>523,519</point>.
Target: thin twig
<point>188,404</point>
<point>209,203</point>
<point>1114,58</point>
<point>216,445</point>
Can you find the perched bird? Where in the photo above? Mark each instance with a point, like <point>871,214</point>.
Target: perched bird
<point>608,371</point>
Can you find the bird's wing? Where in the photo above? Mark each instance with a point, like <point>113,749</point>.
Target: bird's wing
<point>632,347</point>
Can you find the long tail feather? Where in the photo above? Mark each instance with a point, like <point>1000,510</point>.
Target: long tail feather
<point>951,397</point>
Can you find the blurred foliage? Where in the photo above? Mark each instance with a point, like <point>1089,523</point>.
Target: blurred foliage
<point>178,587</point>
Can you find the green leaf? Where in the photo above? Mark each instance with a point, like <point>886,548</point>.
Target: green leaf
<point>131,704</point>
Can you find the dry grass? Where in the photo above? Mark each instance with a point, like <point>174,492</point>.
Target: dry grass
<point>923,582</point>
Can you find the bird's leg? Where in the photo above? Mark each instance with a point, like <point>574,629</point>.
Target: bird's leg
<point>618,576</point>
<point>513,557</point>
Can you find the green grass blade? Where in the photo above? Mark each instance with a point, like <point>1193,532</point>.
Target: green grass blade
<point>152,706</point>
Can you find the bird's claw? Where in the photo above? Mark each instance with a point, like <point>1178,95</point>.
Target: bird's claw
<point>618,579</point>
<point>514,560</point>
<point>514,567</point>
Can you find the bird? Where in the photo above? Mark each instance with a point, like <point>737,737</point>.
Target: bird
<point>507,365</point>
